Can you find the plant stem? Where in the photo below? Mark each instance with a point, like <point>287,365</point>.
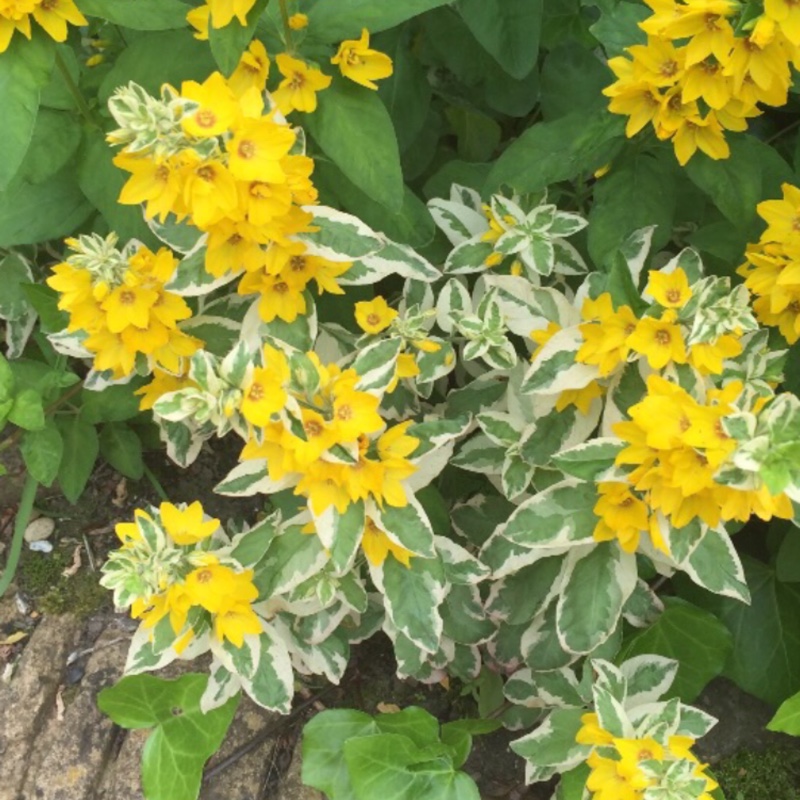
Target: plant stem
<point>77,96</point>
<point>148,473</point>
<point>287,30</point>
<point>20,523</point>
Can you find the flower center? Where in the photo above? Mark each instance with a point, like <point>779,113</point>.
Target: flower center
<point>281,287</point>
<point>344,413</point>
<point>205,576</point>
<point>313,428</point>
<point>256,392</point>
<point>673,295</point>
<point>127,298</point>
<point>205,118</point>
<point>298,80</point>
<point>373,319</point>
<point>662,337</point>
<point>246,149</point>
<point>297,263</point>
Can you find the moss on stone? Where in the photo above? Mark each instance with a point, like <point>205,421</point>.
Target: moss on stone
<point>40,575</point>
<point>768,775</point>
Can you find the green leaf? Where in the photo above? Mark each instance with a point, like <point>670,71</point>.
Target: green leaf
<point>696,639</point>
<point>27,411</point>
<point>153,59</point>
<point>381,766</point>
<point>765,659</point>
<point>636,193</point>
<point>31,213</point>
<point>618,27</point>
<point>592,597</point>
<point>14,272</point>
<point>589,460</point>
<point>350,121</point>
<point>122,448</point>
<point>406,92</point>
<point>412,224</point>
<point>413,722</point>
<point>787,717</point>
<point>410,526</point>
<point>45,300</point>
<point>549,152</point>
<point>737,184</point>
<point>413,595</point>
<point>42,452</point>
<point>80,452</point>
<point>141,15</point>
<point>102,183</point>
<point>557,517</point>
<point>184,738</point>
<point>56,137</point>
<point>25,68</point>
<point>332,20</point>
<point>572,77</point>
<point>477,134</point>
<point>508,29</point>
<point>324,736</point>
<point>573,783</point>
<point>228,43</point>
<point>115,403</point>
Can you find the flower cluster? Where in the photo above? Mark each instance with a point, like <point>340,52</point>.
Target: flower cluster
<point>172,565</point>
<point>212,156</point>
<point>676,446</point>
<point>301,80</point>
<point>318,433</point>
<point>52,15</point>
<point>772,271</point>
<point>120,300</point>
<point>625,768</point>
<point>702,72</point>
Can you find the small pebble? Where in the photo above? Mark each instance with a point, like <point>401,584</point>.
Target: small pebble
<point>40,529</point>
<point>41,546</point>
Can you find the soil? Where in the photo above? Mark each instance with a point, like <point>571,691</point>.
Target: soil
<point>53,590</point>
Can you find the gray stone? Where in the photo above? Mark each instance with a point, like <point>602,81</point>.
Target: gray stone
<point>73,751</point>
<point>38,529</point>
<point>28,700</point>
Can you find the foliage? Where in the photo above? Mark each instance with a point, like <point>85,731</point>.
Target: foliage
<point>492,356</point>
<point>349,755</point>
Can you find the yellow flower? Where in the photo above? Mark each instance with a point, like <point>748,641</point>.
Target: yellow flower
<point>374,316</point>
<point>54,15</point>
<point>235,621</point>
<point>186,526</point>
<point>623,516</point>
<point>580,398</point>
<point>607,334</point>
<point>355,413</point>
<point>592,733</point>
<point>670,290</point>
<point>218,107</point>
<point>360,64</point>
<point>158,185</point>
<point>708,357</point>
<point>223,11</point>
<point>298,21</point>
<point>252,70</point>
<point>256,149</point>
<point>129,532</point>
<point>215,587</point>
<point>265,395</point>
<point>129,305</point>
<point>786,14</point>
<point>210,192</point>
<point>162,383</point>
<point>279,298</point>
<point>782,216</point>
<point>199,18</point>
<point>606,782</point>
<point>322,485</point>
<point>543,336</point>
<point>298,90</point>
<point>377,546</point>
<point>659,340</point>
<point>703,133</point>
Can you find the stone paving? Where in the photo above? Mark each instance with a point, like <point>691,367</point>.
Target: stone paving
<point>55,744</point>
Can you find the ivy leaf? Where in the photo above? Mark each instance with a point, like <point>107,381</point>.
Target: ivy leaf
<point>695,638</point>
<point>765,659</point>
<point>184,738</point>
